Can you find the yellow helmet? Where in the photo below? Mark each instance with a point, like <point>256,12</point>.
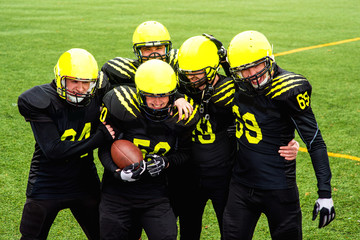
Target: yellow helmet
<point>148,34</point>
<point>250,49</point>
<point>79,65</point>
<point>155,78</point>
<point>197,55</point>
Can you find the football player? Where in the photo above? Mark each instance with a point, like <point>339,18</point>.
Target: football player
<point>151,40</point>
<point>64,117</point>
<point>213,149</point>
<point>270,104</point>
<point>137,195</point>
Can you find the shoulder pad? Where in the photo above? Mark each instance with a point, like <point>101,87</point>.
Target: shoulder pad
<point>122,104</point>
<point>287,85</point>
<point>173,60</point>
<point>193,118</point>
<point>32,102</point>
<point>103,81</point>
<point>119,68</point>
<point>224,92</point>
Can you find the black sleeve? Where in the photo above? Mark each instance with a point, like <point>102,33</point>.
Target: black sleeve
<point>49,140</point>
<point>181,155</point>
<point>104,154</point>
<point>309,132</point>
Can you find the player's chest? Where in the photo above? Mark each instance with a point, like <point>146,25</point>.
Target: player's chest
<point>77,122</point>
<point>151,137</point>
<point>257,111</point>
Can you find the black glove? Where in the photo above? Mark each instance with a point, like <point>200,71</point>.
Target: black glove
<point>327,211</point>
<point>155,164</point>
<point>132,172</point>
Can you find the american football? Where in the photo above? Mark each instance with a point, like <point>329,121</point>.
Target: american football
<point>125,153</point>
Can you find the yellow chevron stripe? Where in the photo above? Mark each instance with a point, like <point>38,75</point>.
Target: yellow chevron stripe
<point>338,155</point>
<point>227,95</point>
<point>131,96</point>
<point>193,114</point>
<point>317,46</point>
<point>283,84</point>
<point>123,101</point>
<point>284,90</point>
<point>224,89</point>
<point>101,78</point>
<point>119,69</point>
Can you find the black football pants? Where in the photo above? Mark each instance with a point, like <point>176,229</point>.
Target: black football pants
<point>245,205</point>
<point>39,215</point>
<point>119,216</point>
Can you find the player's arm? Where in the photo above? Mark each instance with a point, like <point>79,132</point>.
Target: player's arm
<point>309,132</point>
<point>308,129</point>
<point>181,153</point>
<point>104,154</point>
<point>55,148</point>
<point>33,105</point>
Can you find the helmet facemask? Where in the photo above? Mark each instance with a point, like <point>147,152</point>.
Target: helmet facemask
<point>156,115</point>
<point>74,67</point>
<point>77,99</point>
<point>155,55</point>
<point>256,82</point>
<point>194,86</point>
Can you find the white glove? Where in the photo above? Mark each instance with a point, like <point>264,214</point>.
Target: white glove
<point>132,172</point>
<point>327,211</point>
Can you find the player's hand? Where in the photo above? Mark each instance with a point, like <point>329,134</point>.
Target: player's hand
<point>155,164</point>
<point>327,211</point>
<point>132,172</point>
<point>290,151</point>
<point>184,108</point>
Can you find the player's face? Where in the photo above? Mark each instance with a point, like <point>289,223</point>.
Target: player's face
<point>196,76</point>
<point>153,51</point>
<point>252,71</point>
<point>75,86</point>
<point>157,102</point>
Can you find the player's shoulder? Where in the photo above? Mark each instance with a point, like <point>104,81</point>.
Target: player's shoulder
<point>122,62</point>
<point>224,91</point>
<point>103,82</point>
<point>286,85</point>
<point>36,99</point>
<point>121,102</point>
<point>191,120</point>
<point>173,58</point>
<point>120,68</point>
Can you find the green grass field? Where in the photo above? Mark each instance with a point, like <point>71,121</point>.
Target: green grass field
<point>35,33</point>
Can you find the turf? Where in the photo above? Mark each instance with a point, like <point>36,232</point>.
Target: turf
<point>35,33</point>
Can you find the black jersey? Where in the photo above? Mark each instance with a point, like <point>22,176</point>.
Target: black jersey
<point>213,149</point>
<point>170,138</point>
<point>62,165</point>
<point>121,71</point>
<point>267,121</point>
